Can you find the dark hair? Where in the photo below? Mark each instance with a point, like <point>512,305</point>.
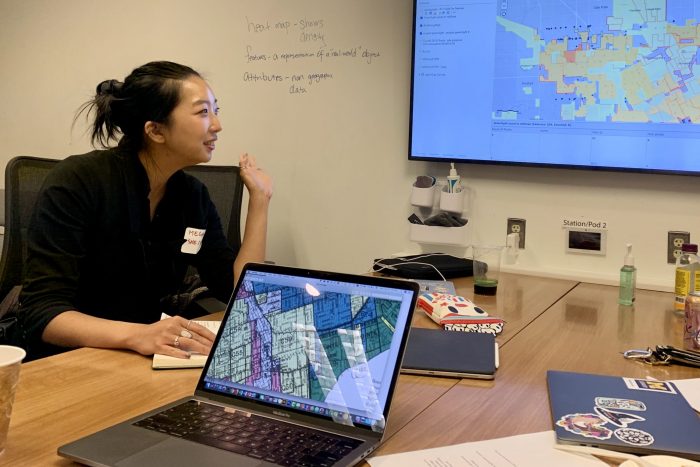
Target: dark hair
<point>149,93</point>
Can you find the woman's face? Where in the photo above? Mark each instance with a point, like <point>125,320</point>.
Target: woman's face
<point>190,134</point>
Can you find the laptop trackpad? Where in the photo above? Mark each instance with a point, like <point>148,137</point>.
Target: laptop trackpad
<point>174,451</point>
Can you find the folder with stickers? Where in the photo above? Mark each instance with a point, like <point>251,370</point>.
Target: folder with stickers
<point>622,414</point>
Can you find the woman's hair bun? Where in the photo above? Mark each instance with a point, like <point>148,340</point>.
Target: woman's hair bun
<point>110,86</point>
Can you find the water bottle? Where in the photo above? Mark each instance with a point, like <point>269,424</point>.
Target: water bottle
<point>687,273</point>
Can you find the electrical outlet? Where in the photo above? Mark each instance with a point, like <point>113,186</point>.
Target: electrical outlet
<point>675,242</point>
<point>517,226</point>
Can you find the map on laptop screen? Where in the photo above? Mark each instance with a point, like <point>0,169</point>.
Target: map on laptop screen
<point>327,347</point>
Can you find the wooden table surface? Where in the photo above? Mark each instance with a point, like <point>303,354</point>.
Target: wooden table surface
<point>550,323</point>
<point>585,331</point>
<point>519,301</point>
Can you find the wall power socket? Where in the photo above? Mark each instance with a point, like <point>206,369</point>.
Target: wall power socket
<point>517,226</point>
<point>676,239</point>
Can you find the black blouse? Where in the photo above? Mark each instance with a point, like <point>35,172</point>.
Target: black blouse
<point>92,246</point>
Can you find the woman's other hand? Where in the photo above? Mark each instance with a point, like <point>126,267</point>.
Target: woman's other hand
<point>256,180</point>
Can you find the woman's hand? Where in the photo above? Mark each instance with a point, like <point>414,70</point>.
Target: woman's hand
<point>258,183</point>
<point>174,336</point>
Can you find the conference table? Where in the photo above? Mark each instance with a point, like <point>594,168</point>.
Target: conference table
<point>550,324</point>
<point>585,331</point>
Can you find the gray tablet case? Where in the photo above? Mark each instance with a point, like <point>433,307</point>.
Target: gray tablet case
<point>450,353</point>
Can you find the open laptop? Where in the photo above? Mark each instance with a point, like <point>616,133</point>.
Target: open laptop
<point>453,354</point>
<point>622,414</point>
<point>302,372</point>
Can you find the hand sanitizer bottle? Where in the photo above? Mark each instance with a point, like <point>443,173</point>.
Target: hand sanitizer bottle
<point>453,180</point>
<point>628,279</point>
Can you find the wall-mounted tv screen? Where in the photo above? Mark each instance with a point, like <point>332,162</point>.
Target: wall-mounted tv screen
<point>610,84</point>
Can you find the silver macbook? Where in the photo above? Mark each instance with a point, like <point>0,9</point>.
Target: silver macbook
<point>302,372</point>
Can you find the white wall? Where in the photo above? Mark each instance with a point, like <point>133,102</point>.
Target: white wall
<point>338,151</point>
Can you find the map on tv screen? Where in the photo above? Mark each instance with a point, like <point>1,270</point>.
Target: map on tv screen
<point>589,83</point>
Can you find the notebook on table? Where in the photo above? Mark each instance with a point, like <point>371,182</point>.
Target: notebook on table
<point>302,370</point>
<point>454,354</point>
<point>196,360</point>
<point>623,414</point>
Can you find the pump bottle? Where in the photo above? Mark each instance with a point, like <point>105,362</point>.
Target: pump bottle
<point>628,279</point>
<point>453,180</point>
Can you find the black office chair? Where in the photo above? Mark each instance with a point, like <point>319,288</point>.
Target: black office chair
<point>24,176</point>
<point>226,190</point>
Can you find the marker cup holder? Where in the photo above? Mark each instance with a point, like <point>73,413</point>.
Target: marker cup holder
<point>452,202</point>
<point>423,197</point>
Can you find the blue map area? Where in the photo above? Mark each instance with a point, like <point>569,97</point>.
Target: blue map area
<point>588,61</point>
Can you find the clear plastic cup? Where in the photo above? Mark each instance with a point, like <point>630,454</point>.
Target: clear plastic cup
<point>487,267</point>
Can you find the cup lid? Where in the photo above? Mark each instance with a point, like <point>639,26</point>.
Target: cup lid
<point>9,355</point>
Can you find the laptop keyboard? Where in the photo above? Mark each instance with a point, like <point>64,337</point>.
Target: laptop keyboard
<point>251,435</point>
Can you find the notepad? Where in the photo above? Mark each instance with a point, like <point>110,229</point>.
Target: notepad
<point>196,360</point>
<point>435,352</point>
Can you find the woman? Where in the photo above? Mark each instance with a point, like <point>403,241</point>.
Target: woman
<point>114,230</point>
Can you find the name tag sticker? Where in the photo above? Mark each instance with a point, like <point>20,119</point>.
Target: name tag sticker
<point>193,240</point>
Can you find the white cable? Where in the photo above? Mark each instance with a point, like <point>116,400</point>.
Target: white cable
<point>427,255</point>
<point>412,260</point>
<point>393,266</point>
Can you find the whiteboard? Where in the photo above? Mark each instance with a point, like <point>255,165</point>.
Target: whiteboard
<point>337,152</point>
<point>317,90</point>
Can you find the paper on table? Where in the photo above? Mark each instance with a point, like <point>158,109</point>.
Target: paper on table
<point>630,460</point>
<point>690,388</point>
<point>531,450</point>
<point>196,360</point>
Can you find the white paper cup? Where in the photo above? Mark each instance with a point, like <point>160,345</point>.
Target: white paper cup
<point>10,363</point>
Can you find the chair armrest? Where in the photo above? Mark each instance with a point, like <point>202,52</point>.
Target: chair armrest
<point>207,306</point>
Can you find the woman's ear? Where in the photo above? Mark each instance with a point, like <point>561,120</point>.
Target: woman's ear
<point>153,131</point>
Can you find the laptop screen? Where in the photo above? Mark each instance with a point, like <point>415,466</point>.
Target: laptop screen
<point>320,343</point>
